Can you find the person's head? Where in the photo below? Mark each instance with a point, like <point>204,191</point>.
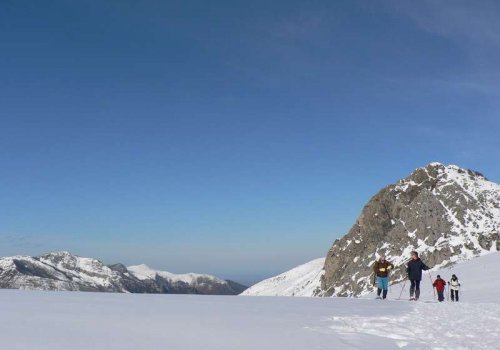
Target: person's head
<point>454,277</point>
<point>382,258</point>
<point>439,277</point>
<point>414,255</point>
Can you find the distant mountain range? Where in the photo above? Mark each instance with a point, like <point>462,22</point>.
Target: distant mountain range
<point>446,213</point>
<point>66,272</point>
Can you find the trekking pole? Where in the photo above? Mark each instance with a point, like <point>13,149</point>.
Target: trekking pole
<point>404,284</point>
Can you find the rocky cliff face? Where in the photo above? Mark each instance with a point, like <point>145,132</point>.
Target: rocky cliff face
<point>445,213</point>
<point>64,271</point>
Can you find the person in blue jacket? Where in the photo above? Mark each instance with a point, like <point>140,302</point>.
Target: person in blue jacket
<point>414,270</point>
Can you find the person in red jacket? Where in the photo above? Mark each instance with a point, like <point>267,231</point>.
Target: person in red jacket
<point>439,284</point>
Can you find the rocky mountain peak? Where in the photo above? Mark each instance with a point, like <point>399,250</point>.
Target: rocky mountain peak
<point>444,212</point>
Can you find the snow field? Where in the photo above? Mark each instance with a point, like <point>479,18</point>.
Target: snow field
<point>117,321</point>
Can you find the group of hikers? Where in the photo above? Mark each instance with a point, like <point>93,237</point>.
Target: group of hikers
<point>414,269</point>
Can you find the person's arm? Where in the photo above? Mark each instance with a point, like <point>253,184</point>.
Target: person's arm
<point>424,267</point>
<point>375,267</point>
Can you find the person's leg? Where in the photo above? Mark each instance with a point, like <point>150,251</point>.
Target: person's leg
<point>452,294</point>
<point>440,296</point>
<point>412,288</point>
<point>383,282</point>
<point>385,286</point>
<point>379,286</point>
<point>456,296</point>
<point>417,289</point>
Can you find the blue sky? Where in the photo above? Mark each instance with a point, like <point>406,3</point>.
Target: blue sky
<point>229,137</point>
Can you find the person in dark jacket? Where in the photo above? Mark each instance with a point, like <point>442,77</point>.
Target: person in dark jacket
<point>381,269</point>
<point>439,284</point>
<point>414,270</point>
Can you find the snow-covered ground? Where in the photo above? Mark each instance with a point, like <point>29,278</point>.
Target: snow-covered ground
<point>76,320</point>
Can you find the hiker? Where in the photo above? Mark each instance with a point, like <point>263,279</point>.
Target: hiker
<point>439,284</point>
<point>454,287</point>
<point>414,270</point>
<point>381,269</point>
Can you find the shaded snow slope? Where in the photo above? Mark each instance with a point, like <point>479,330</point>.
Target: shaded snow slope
<point>303,280</point>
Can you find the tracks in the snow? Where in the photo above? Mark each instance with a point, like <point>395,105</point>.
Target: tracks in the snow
<point>431,325</point>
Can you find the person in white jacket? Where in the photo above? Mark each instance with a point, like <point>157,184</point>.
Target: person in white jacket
<point>454,287</point>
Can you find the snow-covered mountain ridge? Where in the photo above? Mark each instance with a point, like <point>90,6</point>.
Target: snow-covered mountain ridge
<point>64,271</point>
<point>144,272</point>
<point>194,282</point>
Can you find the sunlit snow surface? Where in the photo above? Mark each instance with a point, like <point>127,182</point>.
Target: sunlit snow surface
<point>75,320</point>
<point>301,281</point>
